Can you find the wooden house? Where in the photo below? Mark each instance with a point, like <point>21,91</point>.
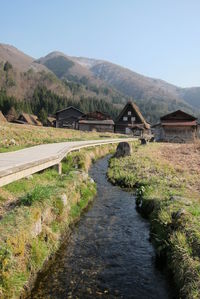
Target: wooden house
<point>177,126</point>
<point>96,121</point>
<point>2,118</point>
<point>130,121</point>
<point>68,117</point>
<point>28,119</point>
<point>51,121</point>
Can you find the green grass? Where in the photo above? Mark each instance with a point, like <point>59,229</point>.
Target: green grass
<point>24,249</point>
<point>39,193</point>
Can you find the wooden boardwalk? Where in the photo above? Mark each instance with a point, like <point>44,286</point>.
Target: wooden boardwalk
<point>22,163</point>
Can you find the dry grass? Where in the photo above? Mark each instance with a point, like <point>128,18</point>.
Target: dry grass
<point>15,136</point>
<point>167,182</point>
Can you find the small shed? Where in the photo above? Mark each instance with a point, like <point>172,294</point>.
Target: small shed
<point>2,118</point>
<point>177,126</point>
<point>130,121</point>
<point>68,117</point>
<point>96,121</point>
<point>28,119</point>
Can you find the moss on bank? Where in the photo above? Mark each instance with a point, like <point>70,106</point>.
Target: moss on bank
<point>37,212</point>
<point>169,197</point>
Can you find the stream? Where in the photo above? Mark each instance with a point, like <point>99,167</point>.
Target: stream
<point>108,254</point>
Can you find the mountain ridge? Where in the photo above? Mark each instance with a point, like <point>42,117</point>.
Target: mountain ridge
<point>95,78</point>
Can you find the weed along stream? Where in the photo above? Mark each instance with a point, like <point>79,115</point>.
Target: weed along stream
<point>108,254</point>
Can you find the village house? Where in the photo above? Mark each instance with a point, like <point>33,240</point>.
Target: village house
<point>96,121</point>
<point>68,118</point>
<point>130,121</point>
<point>177,126</point>
<point>2,117</point>
<point>28,119</point>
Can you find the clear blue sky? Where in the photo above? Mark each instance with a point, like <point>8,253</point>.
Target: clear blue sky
<point>157,38</point>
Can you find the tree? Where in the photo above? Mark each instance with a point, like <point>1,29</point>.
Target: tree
<point>42,116</point>
<point>7,66</point>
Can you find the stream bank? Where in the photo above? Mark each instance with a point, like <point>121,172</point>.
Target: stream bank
<point>167,194</point>
<point>43,208</point>
<point>108,254</point>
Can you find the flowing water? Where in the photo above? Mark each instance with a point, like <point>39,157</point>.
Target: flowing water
<point>108,254</point>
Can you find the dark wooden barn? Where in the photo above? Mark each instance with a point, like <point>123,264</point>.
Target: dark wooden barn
<point>96,121</point>
<point>177,126</point>
<point>68,117</point>
<point>130,121</point>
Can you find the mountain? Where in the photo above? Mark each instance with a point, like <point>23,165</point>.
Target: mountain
<point>149,93</point>
<point>65,67</point>
<point>80,79</point>
<point>191,96</point>
<point>23,74</point>
<point>51,83</point>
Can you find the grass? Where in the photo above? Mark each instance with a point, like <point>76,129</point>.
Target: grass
<point>166,180</point>
<point>31,230</point>
<point>14,136</point>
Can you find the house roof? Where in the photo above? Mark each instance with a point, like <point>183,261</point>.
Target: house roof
<point>51,119</point>
<point>97,122</point>
<point>137,111</point>
<point>156,125</point>
<point>2,117</point>
<point>96,115</point>
<point>31,119</point>
<point>180,124</point>
<point>12,114</point>
<point>178,115</point>
<point>70,107</point>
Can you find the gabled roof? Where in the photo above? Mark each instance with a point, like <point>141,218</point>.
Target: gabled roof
<point>96,115</point>
<point>70,107</point>
<point>137,111</point>
<point>51,119</point>
<point>12,114</point>
<point>179,124</point>
<point>2,117</point>
<point>96,122</point>
<point>31,119</point>
<point>178,115</point>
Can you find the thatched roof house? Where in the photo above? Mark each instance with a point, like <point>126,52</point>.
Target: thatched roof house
<point>11,115</point>
<point>131,121</point>
<point>29,119</point>
<point>96,121</point>
<point>2,117</point>
<point>177,126</point>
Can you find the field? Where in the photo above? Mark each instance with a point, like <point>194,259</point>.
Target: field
<point>166,179</point>
<point>15,136</point>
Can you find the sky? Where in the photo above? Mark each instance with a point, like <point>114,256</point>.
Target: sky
<point>156,38</point>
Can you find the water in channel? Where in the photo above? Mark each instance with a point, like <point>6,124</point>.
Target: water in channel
<point>108,254</point>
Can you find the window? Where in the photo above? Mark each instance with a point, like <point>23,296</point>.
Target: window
<point>125,118</point>
<point>133,119</point>
<point>129,112</point>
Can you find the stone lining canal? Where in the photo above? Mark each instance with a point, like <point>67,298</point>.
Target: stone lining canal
<point>108,254</point>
